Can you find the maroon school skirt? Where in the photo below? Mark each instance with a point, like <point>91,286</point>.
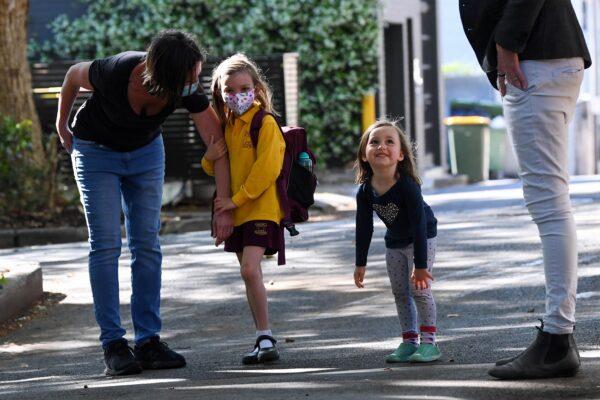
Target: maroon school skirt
<point>265,234</point>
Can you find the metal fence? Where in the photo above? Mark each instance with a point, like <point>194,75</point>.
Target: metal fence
<point>183,146</point>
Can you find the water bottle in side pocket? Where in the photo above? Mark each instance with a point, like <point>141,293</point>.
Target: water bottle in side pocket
<point>305,161</point>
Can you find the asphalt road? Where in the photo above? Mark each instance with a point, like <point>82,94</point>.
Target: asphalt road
<point>333,337</point>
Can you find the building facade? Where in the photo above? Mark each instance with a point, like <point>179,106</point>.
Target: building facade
<point>409,75</point>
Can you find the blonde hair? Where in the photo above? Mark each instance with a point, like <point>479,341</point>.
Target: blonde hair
<point>407,166</point>
<point>231,66</point>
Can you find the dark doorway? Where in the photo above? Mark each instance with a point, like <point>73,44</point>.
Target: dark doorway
<point>433,141</point>
<point>410,123</point>
<point>394,71</point>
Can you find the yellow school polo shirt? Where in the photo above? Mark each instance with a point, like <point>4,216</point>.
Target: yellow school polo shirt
<point>253,171</point>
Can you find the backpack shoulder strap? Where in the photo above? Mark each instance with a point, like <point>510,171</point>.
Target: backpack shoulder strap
<point>255,126</point>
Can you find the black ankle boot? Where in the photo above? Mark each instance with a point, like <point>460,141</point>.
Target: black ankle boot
<point>549,356</point>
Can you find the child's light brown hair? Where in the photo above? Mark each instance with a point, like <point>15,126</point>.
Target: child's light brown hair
<point>407,166</point>
<point>231,66</point>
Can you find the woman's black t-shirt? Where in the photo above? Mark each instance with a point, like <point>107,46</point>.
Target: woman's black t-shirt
<point>107,117</point>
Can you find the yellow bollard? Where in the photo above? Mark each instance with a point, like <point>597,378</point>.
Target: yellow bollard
<point>368,110</point>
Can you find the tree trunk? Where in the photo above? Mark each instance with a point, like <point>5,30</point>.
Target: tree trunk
<point>16,99</point>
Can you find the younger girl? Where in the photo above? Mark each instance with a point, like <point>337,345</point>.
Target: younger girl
<point>389,185</point>
<point>239,91</point>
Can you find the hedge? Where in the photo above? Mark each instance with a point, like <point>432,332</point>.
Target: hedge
<point>336,41</point>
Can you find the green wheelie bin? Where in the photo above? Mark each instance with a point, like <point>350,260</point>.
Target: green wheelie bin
<point>469,146</point>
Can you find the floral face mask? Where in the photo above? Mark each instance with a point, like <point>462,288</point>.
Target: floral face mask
<point>239,103</point>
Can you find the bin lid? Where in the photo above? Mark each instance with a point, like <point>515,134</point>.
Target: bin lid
<point>466,120</point>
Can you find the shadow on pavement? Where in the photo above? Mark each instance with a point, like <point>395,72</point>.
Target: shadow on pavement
<point>333,337</point>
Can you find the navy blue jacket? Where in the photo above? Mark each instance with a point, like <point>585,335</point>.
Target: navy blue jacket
<point>409,220</point>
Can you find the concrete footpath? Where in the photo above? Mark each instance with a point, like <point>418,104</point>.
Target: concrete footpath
<point>489,290</point>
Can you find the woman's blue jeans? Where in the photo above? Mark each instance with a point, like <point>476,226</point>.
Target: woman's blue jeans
<point>108,182</point>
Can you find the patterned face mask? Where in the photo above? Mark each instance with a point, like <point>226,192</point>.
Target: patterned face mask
<point>239,103</point>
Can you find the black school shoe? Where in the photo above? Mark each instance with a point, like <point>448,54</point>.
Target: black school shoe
<point>119,359</point>
<point>258,355</point>
<point>549,356</point>
<point>154,354</point>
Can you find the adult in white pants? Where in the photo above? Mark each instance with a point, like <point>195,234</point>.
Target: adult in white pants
<point>537,120</point>
<point>534,52</point>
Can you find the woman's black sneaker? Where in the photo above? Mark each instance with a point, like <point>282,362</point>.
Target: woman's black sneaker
<point>154,354</point>
<point>260,355</point>
<point>119,359</point>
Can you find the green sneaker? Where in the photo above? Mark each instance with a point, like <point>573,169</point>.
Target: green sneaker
<point>402,353</point>
<point>425,353</point>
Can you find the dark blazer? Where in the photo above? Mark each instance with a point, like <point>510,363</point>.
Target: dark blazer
<point>535,29</point>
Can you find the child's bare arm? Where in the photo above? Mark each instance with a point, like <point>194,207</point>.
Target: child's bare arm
<point>215,150</point>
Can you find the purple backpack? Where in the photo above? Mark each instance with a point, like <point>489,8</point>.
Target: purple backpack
<point>296,184</point>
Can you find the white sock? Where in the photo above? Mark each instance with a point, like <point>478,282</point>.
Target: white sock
<point>264,343</point>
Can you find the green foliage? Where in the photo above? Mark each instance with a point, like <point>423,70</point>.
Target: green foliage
<point>336,41</point>
<point>20,178</point>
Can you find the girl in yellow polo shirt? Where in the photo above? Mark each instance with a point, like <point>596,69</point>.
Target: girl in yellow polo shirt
<point>239,91</point>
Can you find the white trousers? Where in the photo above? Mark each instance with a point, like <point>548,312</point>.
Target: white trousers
<point>537,120</point>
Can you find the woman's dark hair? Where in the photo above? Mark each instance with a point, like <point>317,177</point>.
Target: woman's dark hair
<point>172,54</point>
